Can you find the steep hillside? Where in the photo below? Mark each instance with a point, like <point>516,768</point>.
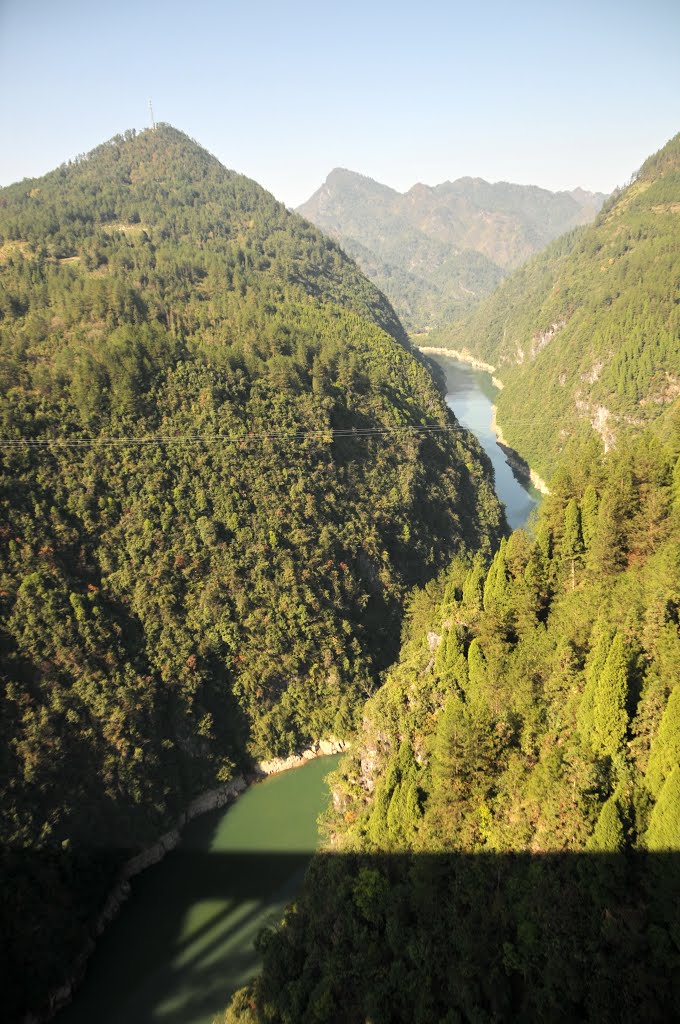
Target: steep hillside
<point>221,469</point>
<point>586,336</point>
<point>504,840</point>
<point>436,252</point>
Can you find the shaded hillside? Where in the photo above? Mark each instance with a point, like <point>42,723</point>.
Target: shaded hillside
<point>504,838</point>
<point>215,491</point>
<point>586,336</point>
<point>436,252</point>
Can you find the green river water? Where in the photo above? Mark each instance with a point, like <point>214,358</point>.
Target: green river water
<point>184,941</point>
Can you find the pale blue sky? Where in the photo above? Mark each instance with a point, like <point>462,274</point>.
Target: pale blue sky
<point>554,94</point>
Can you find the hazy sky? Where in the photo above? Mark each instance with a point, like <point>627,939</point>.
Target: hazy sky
<point>552,93</point>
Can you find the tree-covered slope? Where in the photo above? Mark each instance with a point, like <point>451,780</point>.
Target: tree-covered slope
<point>586,336</point>
<point>504,839</point>
<point>437,252</point>
<point>215,491</point>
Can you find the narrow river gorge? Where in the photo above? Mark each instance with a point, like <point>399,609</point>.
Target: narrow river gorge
<point>470,394</point>
<point>185,940</point>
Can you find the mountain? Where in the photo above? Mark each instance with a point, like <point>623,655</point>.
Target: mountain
<point>504,836</point>
<point>503,840</point>
<point>586,336</point>
<point>221,469</point>
<point>436,252</point>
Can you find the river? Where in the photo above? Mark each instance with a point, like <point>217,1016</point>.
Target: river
<point>470,394</point>
<point>185,939</point>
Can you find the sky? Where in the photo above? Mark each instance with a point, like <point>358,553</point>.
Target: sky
<point>553,94</point>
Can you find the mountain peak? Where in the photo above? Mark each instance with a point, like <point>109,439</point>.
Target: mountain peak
<point>437,250</point>
<point>342,178</point>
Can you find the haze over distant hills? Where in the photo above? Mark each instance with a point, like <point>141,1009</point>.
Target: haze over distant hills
<point>437,251</point>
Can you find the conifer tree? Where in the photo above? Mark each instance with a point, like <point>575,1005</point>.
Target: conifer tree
<point>594,668</point>
<point>394,816</point>
<point>476,672</point>
<point>473,585</point>
<point>608,836</point>
<point>411,810</point>
<point>676,487</point>
<point>378,827</point>
<point>572,540</point>
<point>610,714</point>
<point>589,506</point>
<point>450,664</point>
<point>441,656</point>
<point>605,555</point>
<point>664,826</point>
<point>665,753</point>
<point>496,585</point>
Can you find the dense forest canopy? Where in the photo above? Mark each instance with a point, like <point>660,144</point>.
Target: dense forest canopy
<point>586,336</point>
<point>170,610</point>
<point>436,252</point>
<point>504,838</point>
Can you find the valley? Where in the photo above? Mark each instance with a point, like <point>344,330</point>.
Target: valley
<point>267,835</point>
<point>471,394</point>
<point>240,513</point>
<point>437,252</point>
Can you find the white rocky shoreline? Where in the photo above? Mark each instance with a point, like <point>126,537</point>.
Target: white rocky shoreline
<point>211,800</point>
<point>463,356</point>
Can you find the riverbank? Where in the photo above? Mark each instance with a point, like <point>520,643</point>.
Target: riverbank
<point>463,356</point>
<point>211,800</point>
<point>515,459</point>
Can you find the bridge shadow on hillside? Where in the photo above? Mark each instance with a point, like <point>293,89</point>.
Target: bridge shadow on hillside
<point>391,938</point>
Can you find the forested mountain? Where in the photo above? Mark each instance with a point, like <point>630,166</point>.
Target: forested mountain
<point>504,839</point>
<point>197,568</point>
<point>586,336</point>
<point>436,252</point>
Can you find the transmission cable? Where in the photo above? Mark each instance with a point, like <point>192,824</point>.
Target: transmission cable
<point>186,439</point>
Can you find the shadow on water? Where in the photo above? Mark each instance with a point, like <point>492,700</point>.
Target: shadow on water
<point>441,937</point>
<point>182,942</point>
<point>185,938</point>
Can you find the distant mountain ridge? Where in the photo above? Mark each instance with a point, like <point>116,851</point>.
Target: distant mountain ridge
<point>436,251</point>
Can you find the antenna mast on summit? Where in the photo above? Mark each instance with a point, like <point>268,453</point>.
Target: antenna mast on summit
<point>153,123</point>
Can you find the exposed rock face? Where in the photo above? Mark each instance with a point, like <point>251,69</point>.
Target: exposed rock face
<point>542,338</point>
<point>282,764</point>
<point>433,641</point>
<point>462,356</point>
<point>600,419</point>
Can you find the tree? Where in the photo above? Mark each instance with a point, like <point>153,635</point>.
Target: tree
<point>664,826</point>
<point>605,554</point>
<point>589,506</point>
<point>572,540</point>
<point>610,713</point>
<point>608,836</point>
<point>665,752</point>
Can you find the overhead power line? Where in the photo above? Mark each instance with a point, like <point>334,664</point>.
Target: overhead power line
<point>185,439</point>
